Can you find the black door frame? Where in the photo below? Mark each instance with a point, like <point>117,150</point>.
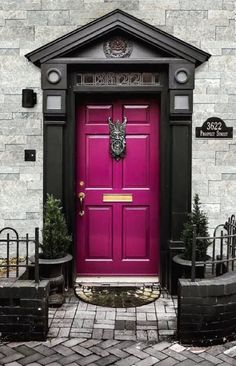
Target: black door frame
<point>69,194</point>
<point>175,152</point>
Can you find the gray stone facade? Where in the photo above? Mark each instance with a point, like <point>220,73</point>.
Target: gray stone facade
<point>28,24</point>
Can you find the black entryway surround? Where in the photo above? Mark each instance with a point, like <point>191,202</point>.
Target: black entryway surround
<point>82,51</point>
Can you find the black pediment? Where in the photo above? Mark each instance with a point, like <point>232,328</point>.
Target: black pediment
<point>148,41</point>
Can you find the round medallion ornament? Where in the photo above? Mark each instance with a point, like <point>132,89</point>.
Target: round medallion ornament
<point>53,76</point>
<point>181,76</point>
<point>117,47</point>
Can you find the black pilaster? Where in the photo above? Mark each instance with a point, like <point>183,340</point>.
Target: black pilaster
<point>53,160</point>
<point>180,176</point>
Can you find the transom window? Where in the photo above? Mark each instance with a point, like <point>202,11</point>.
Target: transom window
<point>117,79</point>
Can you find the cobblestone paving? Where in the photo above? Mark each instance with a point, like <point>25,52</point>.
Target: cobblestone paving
<point>82,334</point>
<point>150,322</point>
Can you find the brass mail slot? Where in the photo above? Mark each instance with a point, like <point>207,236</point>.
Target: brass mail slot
<point>117,197</point>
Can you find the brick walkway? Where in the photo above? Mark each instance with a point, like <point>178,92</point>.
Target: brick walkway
<point>82,334</point>
<point>152,322</point>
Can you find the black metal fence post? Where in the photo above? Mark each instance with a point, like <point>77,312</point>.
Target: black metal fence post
<point>8,253</point>
<point>193,269</point>
<point>36,274</point>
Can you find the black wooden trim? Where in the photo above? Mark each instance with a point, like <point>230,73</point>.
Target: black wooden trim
<point>118,19</point>
<point>118,89</point>
<point>165,204</point>
<point>69,197</point>
<point>180,122</point>
<point>53,161</point>
<point>180,177</point>
<point>120,61</point>
<point>54,122</point>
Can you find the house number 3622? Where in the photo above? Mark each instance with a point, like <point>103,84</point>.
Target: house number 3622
<point>214,126</point>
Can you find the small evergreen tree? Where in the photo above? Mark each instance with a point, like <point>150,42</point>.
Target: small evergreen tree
<point>56,240</point>
<point>198,218</point>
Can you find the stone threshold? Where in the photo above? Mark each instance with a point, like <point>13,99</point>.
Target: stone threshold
<point>117,281</point>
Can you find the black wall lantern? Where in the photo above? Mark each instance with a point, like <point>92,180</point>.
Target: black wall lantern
<point>29,98</point>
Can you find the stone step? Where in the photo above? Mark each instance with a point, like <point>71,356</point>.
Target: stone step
<point>117,281</point>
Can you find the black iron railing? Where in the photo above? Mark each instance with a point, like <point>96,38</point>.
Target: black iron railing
<point>221,250</point>
<point>13,247</point>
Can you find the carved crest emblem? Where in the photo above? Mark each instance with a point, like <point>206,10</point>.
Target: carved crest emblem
<point>117,138</point>
<point>117,47</point>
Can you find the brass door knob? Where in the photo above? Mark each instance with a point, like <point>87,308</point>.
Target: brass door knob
<point>81,196</point>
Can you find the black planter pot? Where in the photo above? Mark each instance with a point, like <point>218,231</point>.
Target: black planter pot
<point>54,271</point>
<point>53,267</point>
<point>182,269</point>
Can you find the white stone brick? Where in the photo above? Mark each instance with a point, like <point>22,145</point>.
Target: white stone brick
<point>191,32</point>
<point>226,158</point>
<point>184,17</point>
<point>229,4</point>
<point>228,187</point>
<point>62,4</point>
<point>226,108</point>
<point>14,14</point>
<point>203,162</point>
<point>207,99</point>
<point>200,4</point>
<point>47,34</point>
<point>217,15</point>
<point>230,176</point>
<point>207,75</point>
<point>48,18</point>
<point>224,62</point>
<point>30,177</point>
<point>9,33</point>
<point>211,200</point>
<point>9,169</point>
<point>226,33</point>
<point>201,187</point>
<point>79,18</point>
<point>167,4</point>
<point>159,19</point>
<point>20,4</point>
<point>5,116</point>
<point>35,185</point>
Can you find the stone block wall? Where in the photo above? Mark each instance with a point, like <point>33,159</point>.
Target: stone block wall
<point>207,310</point>
<point>23,310</point>
<point>28,24</point>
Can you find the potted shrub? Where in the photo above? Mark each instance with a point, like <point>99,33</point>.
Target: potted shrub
<point>184,261</point>
<point>54,249</point>
<point>55,238</point>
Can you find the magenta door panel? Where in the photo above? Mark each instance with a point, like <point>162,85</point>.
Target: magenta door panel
<point>98,166</point>
<point>136,230</point>
<point>118,238</point>
<point>137,175</point>
<point>99,241</point>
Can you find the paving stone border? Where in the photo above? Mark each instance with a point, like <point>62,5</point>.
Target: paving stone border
<point>97,352</point>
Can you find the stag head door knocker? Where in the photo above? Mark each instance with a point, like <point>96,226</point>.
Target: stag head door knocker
<point>117,138</point>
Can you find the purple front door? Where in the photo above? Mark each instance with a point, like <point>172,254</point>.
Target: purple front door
<point>117,218</point>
